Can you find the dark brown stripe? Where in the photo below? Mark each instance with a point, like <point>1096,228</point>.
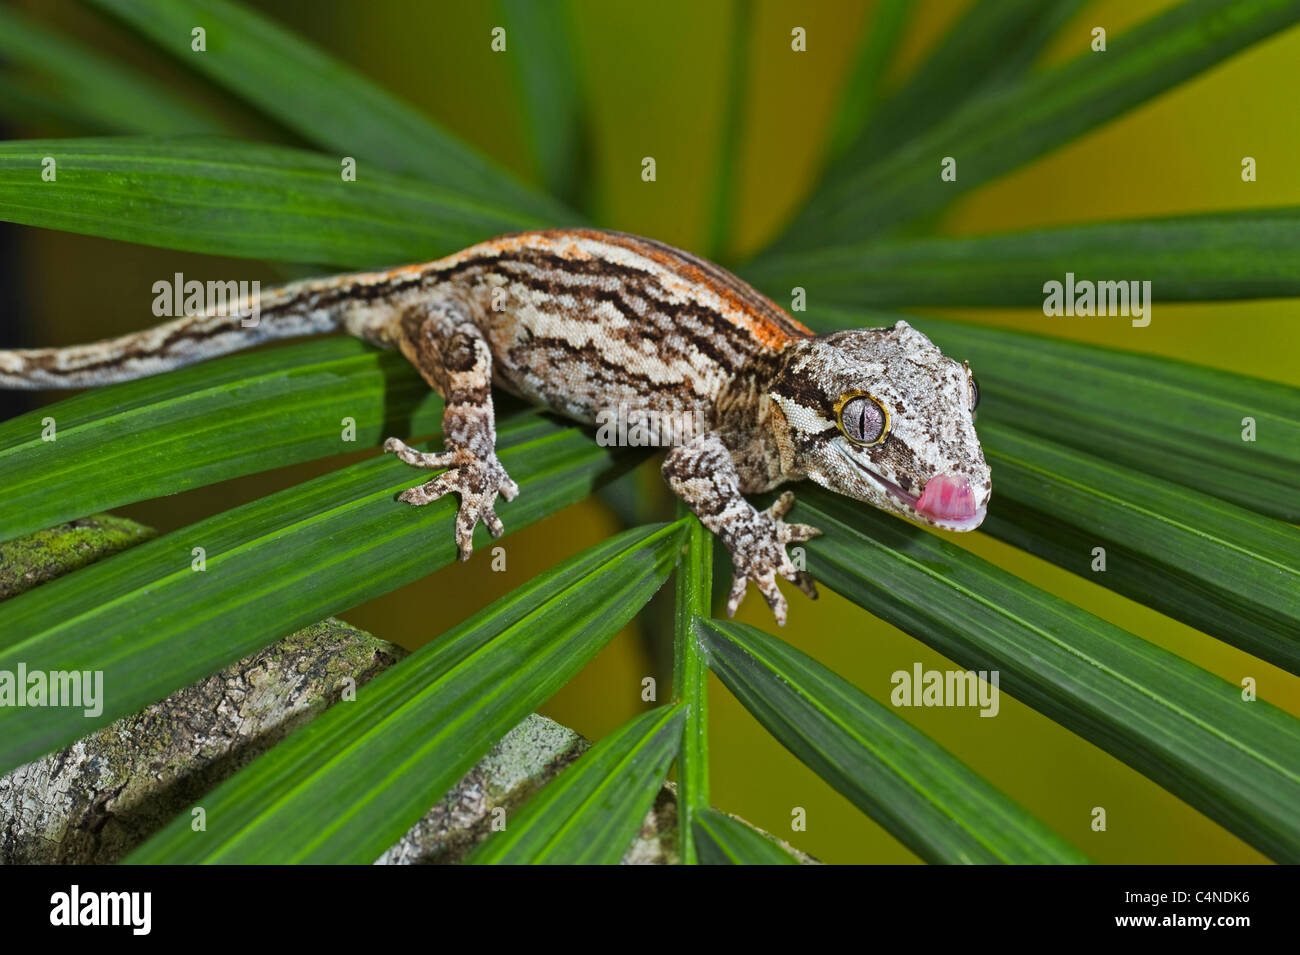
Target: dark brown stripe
<point>646,327</point>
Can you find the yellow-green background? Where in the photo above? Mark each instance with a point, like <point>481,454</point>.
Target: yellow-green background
<point>654,86</point>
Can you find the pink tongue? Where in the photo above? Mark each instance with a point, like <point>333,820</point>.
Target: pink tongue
<point>947,498</point>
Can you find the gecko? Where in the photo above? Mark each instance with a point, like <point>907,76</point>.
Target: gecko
<point>581,320</point>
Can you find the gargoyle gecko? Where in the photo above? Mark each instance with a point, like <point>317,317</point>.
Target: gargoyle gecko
<point>583,320</point>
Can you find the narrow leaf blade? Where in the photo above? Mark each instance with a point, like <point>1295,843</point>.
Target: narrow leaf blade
<point>591,813</point>
<point>1253,253</point>
<point>693,583</point>
<point>991,44</point>
<point>929,800</point>
<point>98,93</point>
<point>725,841</point>
<point>884,29</point>
<point>143,439</point>
<point>548,87</point>
<point>243,200</point>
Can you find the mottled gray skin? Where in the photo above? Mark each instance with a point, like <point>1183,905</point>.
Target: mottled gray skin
<point>931,402</point>
<point>788,432</point>
<point>580,320</point>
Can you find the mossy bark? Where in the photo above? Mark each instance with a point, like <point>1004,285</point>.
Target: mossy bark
<point>99,798</point>
<point>33,559</point>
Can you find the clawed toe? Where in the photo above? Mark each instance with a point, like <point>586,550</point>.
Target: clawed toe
<point>476,481</point>
<point>418,459</point>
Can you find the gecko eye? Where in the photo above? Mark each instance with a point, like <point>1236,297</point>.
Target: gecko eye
<point>974,392</point>
<point>862,418</point>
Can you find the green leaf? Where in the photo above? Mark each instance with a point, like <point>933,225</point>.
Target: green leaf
<point>542,56</point>
<point>348,786</point>
<point>877,49</point>
<point>930,801</point>
<point>996,133</point>
<point>593,811</point>
<point>143,439</point>
<point>725,841</point>
<point>244,200</point>
<point>694,588</point>
<point>727,172</point>
<point>1251,253</point>
<point>1219,568</point>
<point>101,94</point>
<point>991,44</point>
<point>325,101</point>
<point>152,623</point>
<point>1172,419</point>
<point>1189,731</point>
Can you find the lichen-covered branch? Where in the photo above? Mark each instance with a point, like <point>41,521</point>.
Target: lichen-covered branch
<point>99,798</point>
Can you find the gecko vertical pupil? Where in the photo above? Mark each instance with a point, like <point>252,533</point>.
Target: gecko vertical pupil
<point>862,420</point>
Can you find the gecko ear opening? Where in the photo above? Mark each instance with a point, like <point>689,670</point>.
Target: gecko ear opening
<point>862,418</point>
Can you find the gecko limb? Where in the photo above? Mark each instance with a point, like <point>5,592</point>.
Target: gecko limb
<point>703,475</point>
<point>454,358</point>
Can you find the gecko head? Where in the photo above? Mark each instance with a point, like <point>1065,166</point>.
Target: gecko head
<point>882,416</point>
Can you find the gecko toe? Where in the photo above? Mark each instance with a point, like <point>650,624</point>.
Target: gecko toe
<point>417,459</point>
<point>775,599</point>
<point>738,586</point>
<point>429,491</point>
<point>781,506</point>
<point>790,533</point>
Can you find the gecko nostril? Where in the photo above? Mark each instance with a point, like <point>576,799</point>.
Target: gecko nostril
<point>947,497</point>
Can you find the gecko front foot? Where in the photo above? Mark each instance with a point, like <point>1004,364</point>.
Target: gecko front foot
<point>477,480</point>
<point>757,547</point>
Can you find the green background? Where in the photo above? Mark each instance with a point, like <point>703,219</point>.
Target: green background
<point>654,80</point>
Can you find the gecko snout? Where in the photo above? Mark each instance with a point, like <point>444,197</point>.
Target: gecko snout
<point>947,497</point>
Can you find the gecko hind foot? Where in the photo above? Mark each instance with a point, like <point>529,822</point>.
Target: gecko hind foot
<point>758,554</point>
<point>475,480</point>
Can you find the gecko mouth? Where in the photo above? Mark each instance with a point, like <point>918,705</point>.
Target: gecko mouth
<point>947,501</point>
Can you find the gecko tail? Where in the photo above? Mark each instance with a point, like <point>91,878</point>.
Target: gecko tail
<point>291,311</point>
